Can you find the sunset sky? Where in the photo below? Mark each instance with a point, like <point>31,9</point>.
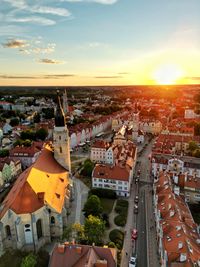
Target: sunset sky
<point>99,42</point>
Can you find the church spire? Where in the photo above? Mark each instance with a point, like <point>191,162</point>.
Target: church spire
<point>59,115</point>
<point>65,102</point>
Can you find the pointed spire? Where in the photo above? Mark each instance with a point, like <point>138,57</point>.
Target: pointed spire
<point>59,115</point>
<point>65,102</point>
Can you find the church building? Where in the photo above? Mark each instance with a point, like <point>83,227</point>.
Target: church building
<point>35,210</point>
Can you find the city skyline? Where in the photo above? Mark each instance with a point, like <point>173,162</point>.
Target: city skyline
<point>99,42</point>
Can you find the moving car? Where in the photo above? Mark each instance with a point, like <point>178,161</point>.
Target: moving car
<point>132,262</point>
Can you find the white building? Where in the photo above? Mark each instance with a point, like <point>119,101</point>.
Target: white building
<point>112,177</point>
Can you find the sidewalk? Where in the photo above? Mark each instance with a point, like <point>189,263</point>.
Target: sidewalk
<point>128,246</point>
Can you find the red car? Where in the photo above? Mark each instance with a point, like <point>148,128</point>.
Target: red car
<point>134,234</point>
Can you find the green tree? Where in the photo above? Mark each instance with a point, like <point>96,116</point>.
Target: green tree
<point>192,146</point>
<point>48,113</point>
<point>14,122</point>
<point>197,129</point>
<point>4,153</point>
<point>87,168</point>
<point>94,229</point>
<point>67,232</point>
<point>78,232</point>
<point>27,142</point>
<point>41,134</point>
<point>28,134</point>
<point>36,117</point>
<point>29,261</point>
<point>93,206</point>
<point>196,153</point>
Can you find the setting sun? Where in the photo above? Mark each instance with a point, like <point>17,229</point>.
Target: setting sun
<point>168,74</point>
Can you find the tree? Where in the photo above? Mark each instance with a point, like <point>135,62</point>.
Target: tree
<point>36,118</point>
<point>14,122</point>
<point>4,153</point>
<point>94,229</point>
<point>29,261</point>
<point>78,232</point>
<point>192,146</point>
<point>87,168</point>
<point>197,129</point>
<point>28,134</point>
<point>27,143</point>
<point>196,153</point>
<point>93,206</point>
<point>48,113</point>
<point>67,232</point>
<point>41,134</point>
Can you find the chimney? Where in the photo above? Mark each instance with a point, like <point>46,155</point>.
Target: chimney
<point>101,263</point>
<point>61,248</point>
<point>78,250</point>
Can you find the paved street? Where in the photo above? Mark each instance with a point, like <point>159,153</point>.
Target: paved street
<point>145,246</point>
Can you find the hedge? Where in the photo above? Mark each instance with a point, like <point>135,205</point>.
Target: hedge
<point>117,237</point>
<point>120,220</point>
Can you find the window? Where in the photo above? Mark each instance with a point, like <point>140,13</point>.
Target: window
<point>119,187</point>
<point>52,220</point>
<point>8,231</point>
<point>59,137</point>
<point>39,228</point>
<point>119,182</point>
<point>60,149</point>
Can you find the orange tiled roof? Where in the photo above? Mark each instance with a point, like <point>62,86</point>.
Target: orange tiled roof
<point>111,172</point>
<point>44,178</point>
<point>68,255</point>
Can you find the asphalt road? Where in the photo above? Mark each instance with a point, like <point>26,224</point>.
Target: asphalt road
<point>141,243</point>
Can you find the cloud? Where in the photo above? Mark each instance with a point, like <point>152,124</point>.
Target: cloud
<point>11,30</point>
<point>39,48</point>
<point>33,19</point>
<point>105,2</point>
<point>109,77</point>
<point>50,10</point>
<point>47,76</point>
<point>50,61</point>
<point>14,43</point>
<point>123,73</point>
<point>24,11</point>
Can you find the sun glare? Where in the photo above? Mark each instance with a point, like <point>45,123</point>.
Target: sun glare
<point>167,74</point>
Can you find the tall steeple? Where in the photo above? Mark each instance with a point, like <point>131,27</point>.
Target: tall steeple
<point>59,115</point>
<point>61,140</point>
<point>65,102</point>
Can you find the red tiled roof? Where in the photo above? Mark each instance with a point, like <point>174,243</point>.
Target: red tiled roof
<point>111,172</point>
<point>68,255</point>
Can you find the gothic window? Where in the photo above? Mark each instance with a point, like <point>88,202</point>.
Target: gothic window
<point>59,137</point>
<point>8,231</point>
<point>60,149</point>
<point>39,228</point>
<point>52,220</point>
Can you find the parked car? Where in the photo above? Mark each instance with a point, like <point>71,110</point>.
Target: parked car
<point>132,262</point>
<point>134,234</point>
<point>136,199</point>
<point>136,209</point>
<point>6,185</point>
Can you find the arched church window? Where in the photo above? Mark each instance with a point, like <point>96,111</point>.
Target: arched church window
<point>60,149</point>
<point>8,231</point>
<point>53,220</point>
<point>39,228</point>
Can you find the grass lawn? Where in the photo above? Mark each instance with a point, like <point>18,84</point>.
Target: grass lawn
<point>107,204</point>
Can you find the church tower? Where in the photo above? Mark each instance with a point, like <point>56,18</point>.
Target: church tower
<point>65,103</point>
<point>61,141</point>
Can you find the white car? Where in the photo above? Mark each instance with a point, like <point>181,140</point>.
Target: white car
<point>132,262</point>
